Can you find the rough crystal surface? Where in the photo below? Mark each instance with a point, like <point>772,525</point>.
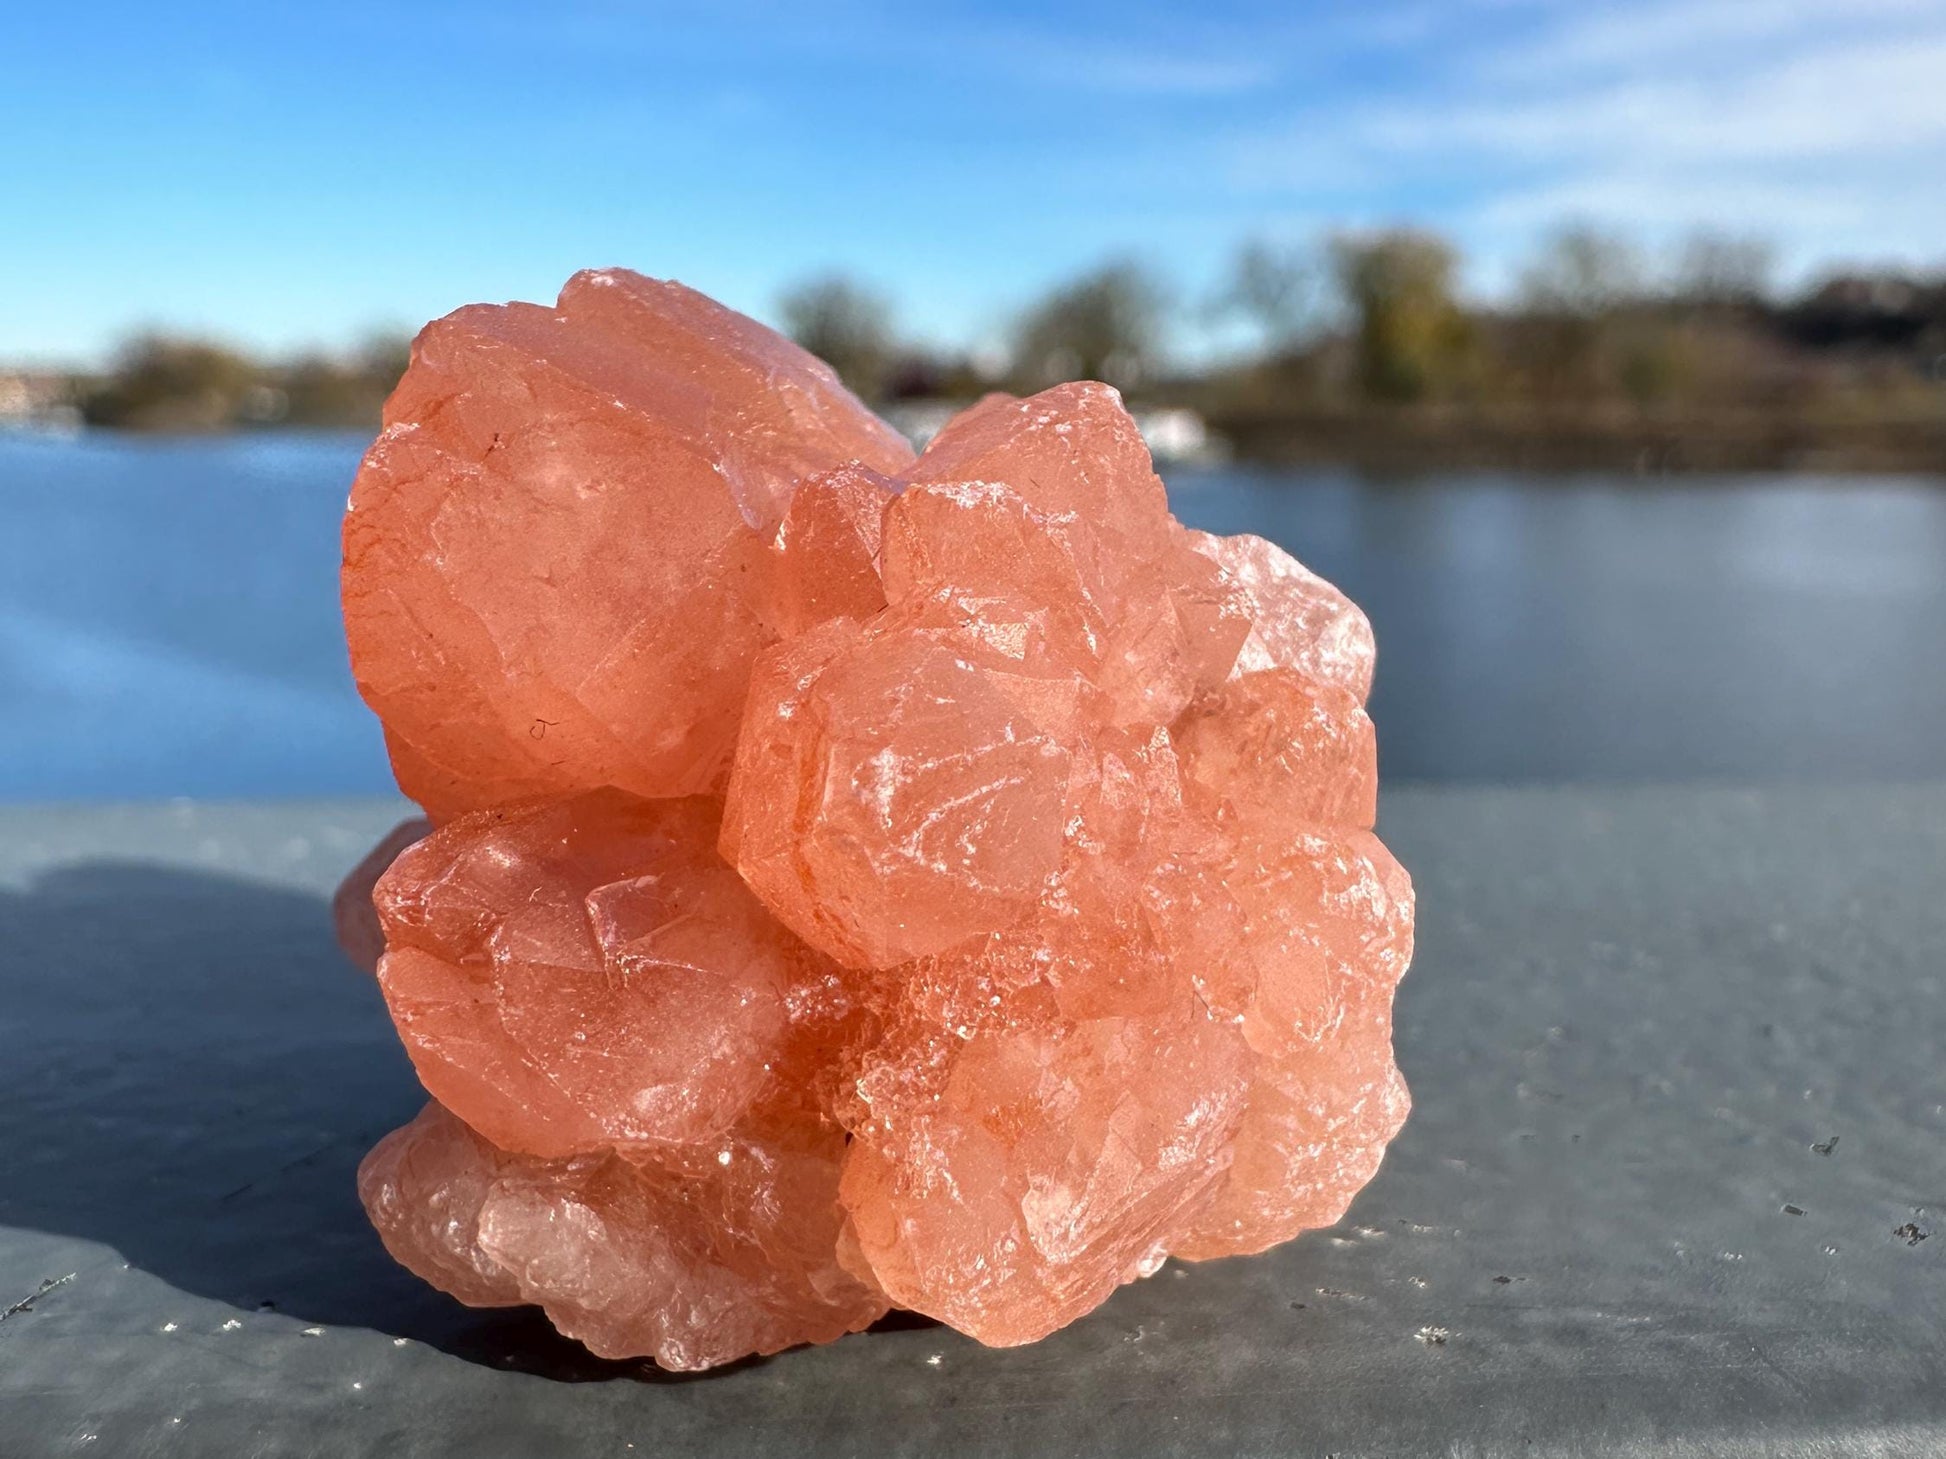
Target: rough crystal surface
<point>693,1259</point>
<point>352,911</point>
<point>857,881</point>
<point>554,552</point>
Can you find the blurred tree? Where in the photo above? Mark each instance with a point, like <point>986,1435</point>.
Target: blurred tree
<point>847,326</point>
<point>382,359</point>
<point>159,383</point>
<point>1583,271</point>
<point>1412,337</point>
<point>1572,295</point>
<point>1718,270</point>
<point>1653,359</point>
<point>1106,325</point>
<point>317,390</point>
<point>1280,290</point>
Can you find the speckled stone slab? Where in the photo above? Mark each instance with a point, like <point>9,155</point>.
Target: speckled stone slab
<point>1675,1180</point>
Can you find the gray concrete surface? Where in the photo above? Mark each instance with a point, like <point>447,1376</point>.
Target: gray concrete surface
<point>1675,1183</point>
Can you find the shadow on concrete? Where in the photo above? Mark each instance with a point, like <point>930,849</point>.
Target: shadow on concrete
<point>192,1074</point>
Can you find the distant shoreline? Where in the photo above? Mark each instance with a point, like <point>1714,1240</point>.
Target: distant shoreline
<point>1402,440</point>
<point>1507,439</point>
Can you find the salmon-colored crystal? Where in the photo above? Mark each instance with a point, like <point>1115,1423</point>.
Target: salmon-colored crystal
<point>352,912</point>
<point>553,553</point>
<point>694,1260</point>
<point>857,881</point>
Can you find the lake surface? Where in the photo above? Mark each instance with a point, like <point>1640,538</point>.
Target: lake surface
<point>169,622</point>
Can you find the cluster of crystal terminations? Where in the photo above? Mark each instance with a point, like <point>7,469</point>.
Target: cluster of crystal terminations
<point>858,880</point>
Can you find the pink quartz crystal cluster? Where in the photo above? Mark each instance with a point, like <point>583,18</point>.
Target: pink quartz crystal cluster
<point>853,881</point>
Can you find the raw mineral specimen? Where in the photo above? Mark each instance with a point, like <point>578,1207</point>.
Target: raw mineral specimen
<point>352,911</point>
<point>852,881</point>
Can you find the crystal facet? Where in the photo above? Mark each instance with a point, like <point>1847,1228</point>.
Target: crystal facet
<point>852,880</point>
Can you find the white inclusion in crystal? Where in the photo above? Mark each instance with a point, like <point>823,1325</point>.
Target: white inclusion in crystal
<point>722,1157</point>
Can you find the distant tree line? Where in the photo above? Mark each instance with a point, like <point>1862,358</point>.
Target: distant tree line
<point>1377,320</point>
<point>1368,323</point>
<point>161,383</point>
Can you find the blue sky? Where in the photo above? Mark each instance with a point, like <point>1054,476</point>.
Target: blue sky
<point>296,175</point>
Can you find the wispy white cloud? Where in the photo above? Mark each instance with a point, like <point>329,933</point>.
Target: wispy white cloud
<point>1164,54</point>
<point>1690,33</point>
<point>1822,126</point>
<point>1136,70</point>
<point>1158,75</point>
<point>1867,100</point>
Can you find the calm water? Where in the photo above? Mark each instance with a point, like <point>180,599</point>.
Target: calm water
<point>168,621</point>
